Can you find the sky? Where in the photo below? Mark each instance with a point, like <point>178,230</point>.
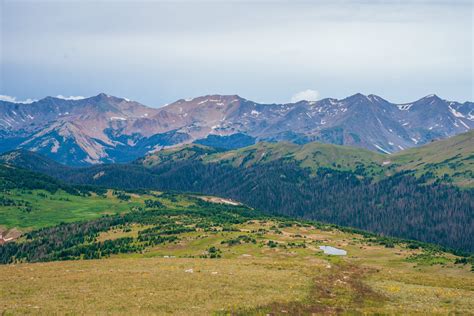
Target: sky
<point>156,52</point>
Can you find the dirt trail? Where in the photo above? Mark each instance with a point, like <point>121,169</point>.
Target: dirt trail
<point>338,289</point>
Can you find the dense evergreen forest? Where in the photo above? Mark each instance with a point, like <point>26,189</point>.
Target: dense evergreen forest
<point>400,205</point>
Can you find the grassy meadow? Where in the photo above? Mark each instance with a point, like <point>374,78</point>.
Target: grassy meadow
<point>49,209</point>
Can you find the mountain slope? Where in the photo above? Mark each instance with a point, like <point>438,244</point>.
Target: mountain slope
<point>313,155</point>
<point>109,129</point>
<point>450,159</point>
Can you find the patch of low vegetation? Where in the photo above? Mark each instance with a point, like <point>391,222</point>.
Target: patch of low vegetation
<point>466,260</point>
<point>121,195</point>
<point>212,253</point>
<point>429,258</point>
<point>239,240</point>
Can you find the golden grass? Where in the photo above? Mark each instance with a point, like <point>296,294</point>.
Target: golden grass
<point>249,279</point>
<point>148,286</point>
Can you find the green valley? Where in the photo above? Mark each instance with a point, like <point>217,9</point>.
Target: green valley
<point>40,208</point>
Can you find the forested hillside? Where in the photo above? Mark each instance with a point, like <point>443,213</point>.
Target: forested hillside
<point>400,205</point>
<point>404,195</point>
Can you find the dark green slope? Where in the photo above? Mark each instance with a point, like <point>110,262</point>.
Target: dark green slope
<point>32,161</point>
<point>16,178</point>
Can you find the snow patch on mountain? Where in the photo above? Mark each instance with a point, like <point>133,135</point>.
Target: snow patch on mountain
<point>464,124</point>
<point>404,107</point>
<point>455,113</point>
<point>381,149</point>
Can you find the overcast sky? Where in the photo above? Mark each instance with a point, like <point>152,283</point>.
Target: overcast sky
<point>268,51</point>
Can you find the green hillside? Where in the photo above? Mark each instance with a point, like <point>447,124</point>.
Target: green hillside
<point>312,155</point>
<point>451,160</point>
<point>183,153</point>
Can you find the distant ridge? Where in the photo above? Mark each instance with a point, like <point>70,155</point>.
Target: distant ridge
<point>104,128</point>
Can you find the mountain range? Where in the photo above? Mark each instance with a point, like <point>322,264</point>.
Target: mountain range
<point>105,129</point>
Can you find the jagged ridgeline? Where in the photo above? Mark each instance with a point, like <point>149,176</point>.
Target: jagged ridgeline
<point>423,194</point>
<point>105,129</point>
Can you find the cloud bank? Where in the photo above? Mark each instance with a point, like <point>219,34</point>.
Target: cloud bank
<point>14,100</point>
<point>60,96</point>
<point>306,95</point>
<point>156,52</point>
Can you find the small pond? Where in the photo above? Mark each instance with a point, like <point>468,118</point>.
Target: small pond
<point>333,251</point>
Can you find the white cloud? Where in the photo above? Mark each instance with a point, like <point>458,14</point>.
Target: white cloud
<point>7,98</point>
<point>307,95</point>
<point>14,100</point>
<point>70,97</point>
